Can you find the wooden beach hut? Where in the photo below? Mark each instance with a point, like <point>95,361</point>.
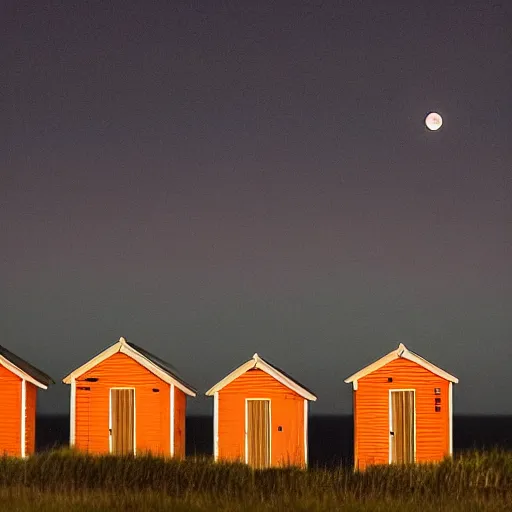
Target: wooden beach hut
<point>19,382</point>
<point>402,410</point>
<point>126,400</point>
<point>261,416</point>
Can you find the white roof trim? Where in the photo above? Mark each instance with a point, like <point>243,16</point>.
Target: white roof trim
<point>401,351</point>
<point>124,348</point>
<point>20,373</point>
<point>257,363</point>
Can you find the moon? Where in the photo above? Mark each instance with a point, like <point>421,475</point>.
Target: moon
<point>433,121</point>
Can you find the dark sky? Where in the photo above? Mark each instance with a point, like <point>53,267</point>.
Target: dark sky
<point>212,179</point>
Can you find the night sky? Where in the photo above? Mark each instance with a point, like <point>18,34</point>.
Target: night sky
<point>211,179</point>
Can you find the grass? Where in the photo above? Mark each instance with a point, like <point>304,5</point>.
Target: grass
<point>65,480</point>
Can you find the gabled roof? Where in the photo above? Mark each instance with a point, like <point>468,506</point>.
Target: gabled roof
<point>23,369</point>
<point>260,364</point>
<point>403,352</point>
<point>154,364</point>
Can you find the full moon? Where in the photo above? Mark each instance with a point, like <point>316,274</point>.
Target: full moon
<point>433,121</point>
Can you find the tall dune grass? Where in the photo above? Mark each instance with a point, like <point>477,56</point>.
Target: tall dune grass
<point>474,481</point>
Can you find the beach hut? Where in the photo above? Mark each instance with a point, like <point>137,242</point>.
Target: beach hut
<point>402,410</point>
<point>125,400</point>
<point>19,382</point>
<point>261,416</point>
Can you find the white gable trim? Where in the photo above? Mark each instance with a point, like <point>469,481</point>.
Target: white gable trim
<point>257,363</point>
<point>403,352</point>
<point>124,348</point>
<point>20,373</point>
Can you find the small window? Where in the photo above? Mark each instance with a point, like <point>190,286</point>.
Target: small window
<point>437,391</point>
<point>156,390</point>
<point>438,408</point>
<point>438,401</point>
<point>390,379</point>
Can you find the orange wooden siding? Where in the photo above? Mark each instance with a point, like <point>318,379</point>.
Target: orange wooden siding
<point>30,418</point>
<point>152,409</point>
<point>180,404</point>
<point>371,413</point>
<point>10,407</point>
<point>287,411</point>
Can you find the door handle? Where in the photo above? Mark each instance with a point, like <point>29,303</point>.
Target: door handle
<point>391,433</point>
<point>110,431</point>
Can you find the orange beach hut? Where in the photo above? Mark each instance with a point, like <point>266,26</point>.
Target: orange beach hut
<point>19,382</point>
<point>125,400</point>
<point>402,410</point>
<point>261,416</point>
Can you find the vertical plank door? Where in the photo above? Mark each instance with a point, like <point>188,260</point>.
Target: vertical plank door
<point>258,433</point>
<point>122,421</point>
<point>402,435</point>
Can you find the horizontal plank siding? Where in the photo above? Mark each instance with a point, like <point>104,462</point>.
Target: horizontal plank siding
<point>286,411</point>
<point>371,409</point>
<point>10,407</point>
<point>152,408</point>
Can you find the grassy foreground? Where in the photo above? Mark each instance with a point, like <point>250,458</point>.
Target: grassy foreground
<point>64,480</point>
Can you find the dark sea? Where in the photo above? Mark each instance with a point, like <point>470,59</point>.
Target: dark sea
<point>330,437</point>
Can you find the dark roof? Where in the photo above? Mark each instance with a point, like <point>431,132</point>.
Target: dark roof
<point>163,365</point>
<point>26,367</point>
<point>288,376</point>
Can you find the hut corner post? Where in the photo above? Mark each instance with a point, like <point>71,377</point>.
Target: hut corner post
<point>23,432</point>
<point>72,415</point>
<point>450,417</point>
<point>172,420</point>
<point>216,425</point>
